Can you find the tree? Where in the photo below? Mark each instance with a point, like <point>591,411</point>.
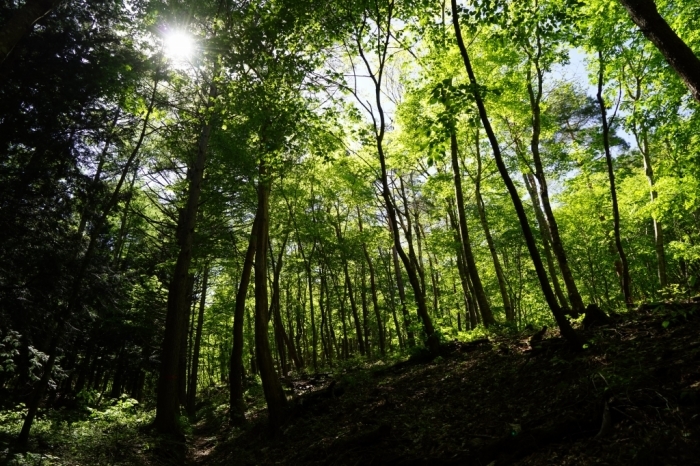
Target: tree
<point>676,52</point>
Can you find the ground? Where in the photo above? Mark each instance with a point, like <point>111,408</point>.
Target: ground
<point>631,397</point>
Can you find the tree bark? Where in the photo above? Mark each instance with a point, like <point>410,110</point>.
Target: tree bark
<point>676,52</point>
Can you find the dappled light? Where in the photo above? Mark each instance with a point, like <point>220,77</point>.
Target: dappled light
<point>365,232</point>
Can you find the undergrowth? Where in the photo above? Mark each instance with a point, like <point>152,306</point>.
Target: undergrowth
<point>110,434</point>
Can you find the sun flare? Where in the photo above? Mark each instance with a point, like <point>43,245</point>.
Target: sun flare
<point>179,46</point>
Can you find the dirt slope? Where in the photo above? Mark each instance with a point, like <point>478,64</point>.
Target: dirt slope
<point>503,401</point>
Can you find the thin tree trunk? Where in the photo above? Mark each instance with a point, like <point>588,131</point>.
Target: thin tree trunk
<point>237,405</point>
<point>192,392</point>
<point>480,294</point>
<point>402,297</point>
<point>373,288</point>
<point>348,286</point>
<point>577,306</point>
<point>432,341</point>
<point>272,388</point>
<point>274,312</point>
<point>546,239</point>
<point>461,268</point>
<point>564,326</point>
<point>392,299</point>
<point>625,276</point>
<point>643,145</point>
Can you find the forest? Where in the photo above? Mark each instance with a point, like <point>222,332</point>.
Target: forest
<point>228,225</point>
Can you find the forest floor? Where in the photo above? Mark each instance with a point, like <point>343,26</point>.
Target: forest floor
<point>631,397</point>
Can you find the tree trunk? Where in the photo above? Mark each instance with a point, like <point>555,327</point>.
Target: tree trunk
<point>274,395</point>
<point>348,285</point>
<point>167,403</point>
<point>675,51</point>
<point>643,145</point>
<point>461,268</point>
<point>480,294</point>
<point>625,275</point>
<point>373,288</point>
<point>365,308</point>
<point>192,391</point>
<point>546,238</point>
<point>432,341</point>
<point>402,297</point>
<point>565,327</point>
<point>184,332</point>
<point>237,405</point>
<point>281,338</point>
<point>557,245</point>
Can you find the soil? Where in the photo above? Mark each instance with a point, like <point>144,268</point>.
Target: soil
<point>631,397</point>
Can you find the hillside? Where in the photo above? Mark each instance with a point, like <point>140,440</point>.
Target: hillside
<point>632,397</point>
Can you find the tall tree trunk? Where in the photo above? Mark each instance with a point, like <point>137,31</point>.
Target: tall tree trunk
<point>481,207</point>
<point>500,276</point>
<point>192,391</point>
<point>373,288</point>
<point>529,180</point>
<point>432,341</point>
<point>564,326</point>
<point>480,294</point>
<point>365,308</point>
<point>402,297</point>
<point>277,325</point>
<point>348,285</point>
<point>643,145</point>
<point>387,262</point>
<point>625,276</point>
<point>283,339</point>
<point>237,405</point>
<point>675,51</point>
<point>557,245</point>
<point>167,403</point>
<point>272,388</point>
<point>461,268</point>
<point>184,332</point>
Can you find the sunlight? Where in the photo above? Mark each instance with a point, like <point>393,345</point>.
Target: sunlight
<point>179,46</point>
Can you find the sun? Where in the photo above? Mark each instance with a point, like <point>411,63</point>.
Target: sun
<point>179,46</point>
